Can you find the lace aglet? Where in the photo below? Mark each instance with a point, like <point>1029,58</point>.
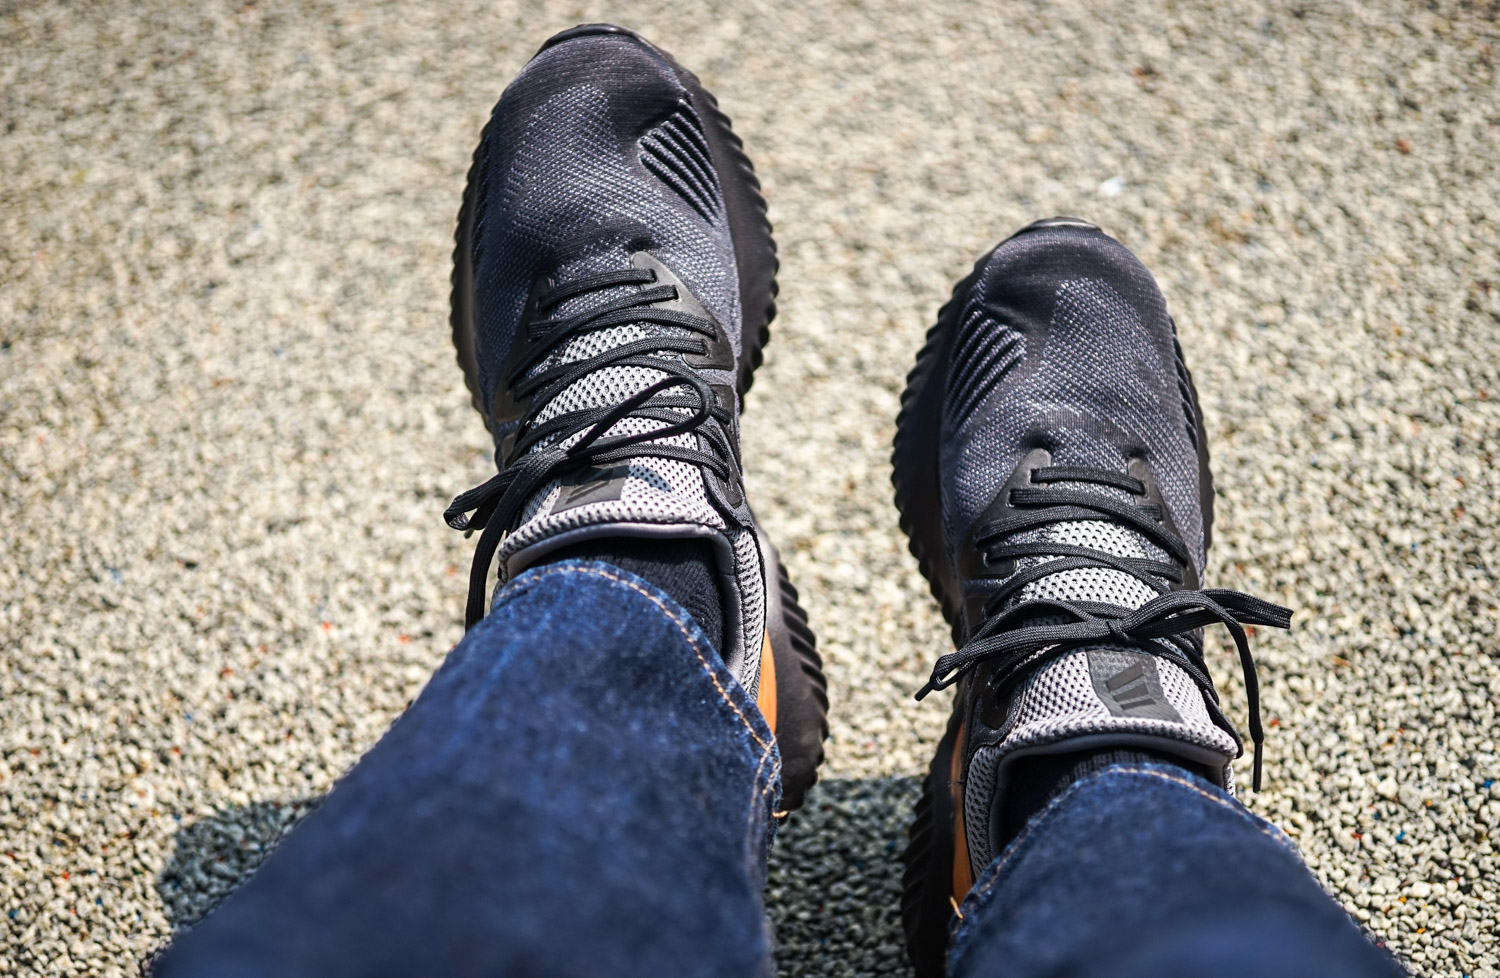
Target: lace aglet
<point>1255,774</point>
<point>922,693</point>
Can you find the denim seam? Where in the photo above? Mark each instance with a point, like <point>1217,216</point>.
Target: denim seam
<point>770,781</point>
<point>681,627</point>
<point>982,890</point>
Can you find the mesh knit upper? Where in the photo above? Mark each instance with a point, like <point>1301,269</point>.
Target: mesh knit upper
<point>1098,381</point>
<point>569,195</point>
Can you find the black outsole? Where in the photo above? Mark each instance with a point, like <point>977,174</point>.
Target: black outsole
<point>461,280</point>
<point>926,911</point>
<point>927,880</point>
<point>914,459</point>
<point>802,690</point>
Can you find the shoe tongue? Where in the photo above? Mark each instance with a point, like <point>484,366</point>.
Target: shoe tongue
<point>609,385</point>
<point>606,386</point>
<point>1090,584</point>
<point>656,497</point>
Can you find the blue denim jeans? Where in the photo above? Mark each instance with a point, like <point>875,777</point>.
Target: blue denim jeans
<point>583,790</point>
<point>1145,872</point>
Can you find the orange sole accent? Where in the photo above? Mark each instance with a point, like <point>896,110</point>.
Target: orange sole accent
<point>963,873</point>
<point>765,697</point>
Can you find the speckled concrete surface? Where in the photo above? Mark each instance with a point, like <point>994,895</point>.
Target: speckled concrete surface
<point>229,417</point>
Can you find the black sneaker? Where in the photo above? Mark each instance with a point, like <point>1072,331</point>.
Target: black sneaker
<point>1052,475</point>
<point>613,281</point>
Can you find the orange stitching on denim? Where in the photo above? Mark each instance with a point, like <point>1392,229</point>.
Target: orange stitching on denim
<point>681,627</point>
<point>770,784</point>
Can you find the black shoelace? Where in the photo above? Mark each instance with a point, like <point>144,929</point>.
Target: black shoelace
<point>496,506</point>
<point>1019,640</point>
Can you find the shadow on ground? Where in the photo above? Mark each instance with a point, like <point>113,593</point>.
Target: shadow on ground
<point>833,892</point>
<point>215,854</point>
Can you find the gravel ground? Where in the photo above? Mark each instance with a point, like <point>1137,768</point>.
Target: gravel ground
<point>229,415</point>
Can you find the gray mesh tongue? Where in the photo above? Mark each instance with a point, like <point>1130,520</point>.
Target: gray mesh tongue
<point>608,385</point>
<point>1094,584</point>
<point>603,388</point>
